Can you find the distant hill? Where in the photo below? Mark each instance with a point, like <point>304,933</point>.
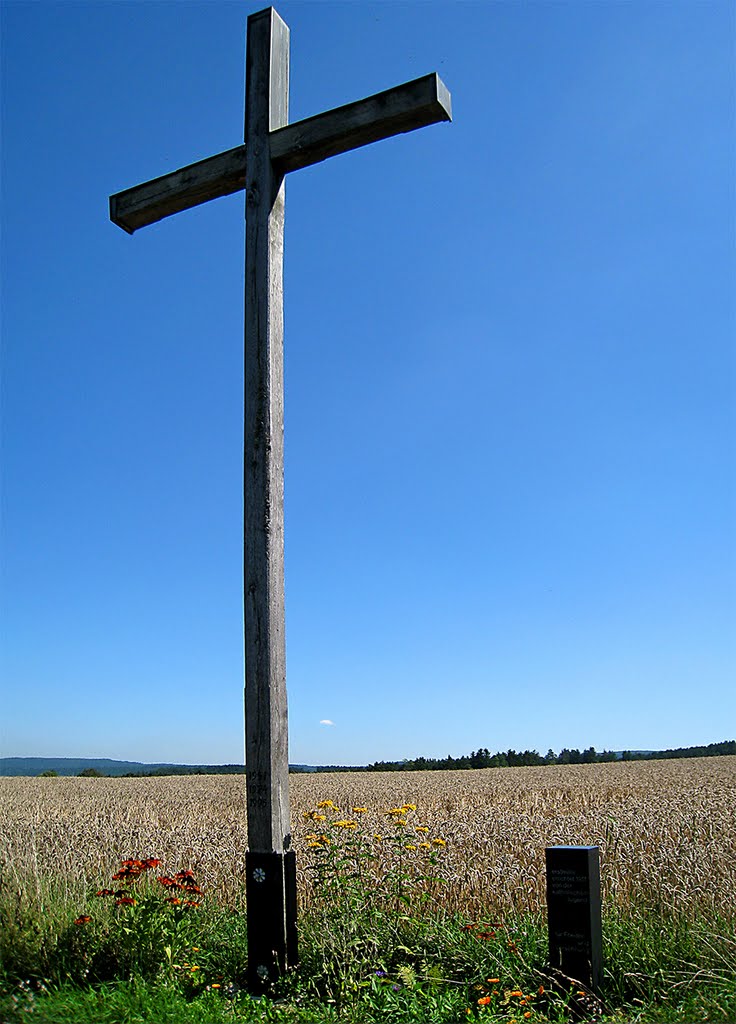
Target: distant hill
<point>33,766</point>
<point>107,766</point>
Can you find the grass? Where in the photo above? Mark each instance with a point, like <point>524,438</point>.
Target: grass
<point>424,911</point>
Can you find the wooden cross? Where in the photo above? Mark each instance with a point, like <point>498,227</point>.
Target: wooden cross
<point>273,147</point>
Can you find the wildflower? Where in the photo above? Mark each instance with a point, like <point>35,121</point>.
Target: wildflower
<point>424,846</point>
<point>194,967</point>
<point>216,985</point>
<point>409,807</point>
<point>192,888</point>
<point>528,1013</point>
<point>105,892</point>
<point>439,842</point>
<point>151,862</point>
<point>516,992</point>
<point>421,828</point>
<point>137,865</point>
<point>484,1001</point>
<point>468,927</point>
<point>409,847</point>
<point>396,810</point>
<point>174,900</point>
<point>319,817</point>
<point>184,876</point>
<point>344,824</point>
<point>377,837</point>
<point>126,874</point>
<point>191,903</point>
<point>327,803</point>
<point>486,935</point>
<point>541,990</point>
<point>493,981</point>
<point>581,993</point>
<point>168,883</point>
<point>84,919</point>
<point>125,901</point>
<point>360,810</point>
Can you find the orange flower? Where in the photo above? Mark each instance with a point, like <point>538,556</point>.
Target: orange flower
<point>126,901</point>
<point>541,990</point>
<point>173,899</point>
<point>484,1001</point>
<point>528,1013</point>
<point>493,981</point>
<point>151,862</point>
<point>128,872</point>
<point>104,892</point>
<point>84,919</point>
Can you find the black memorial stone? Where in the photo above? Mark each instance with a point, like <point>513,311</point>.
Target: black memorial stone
<point>574,913</point>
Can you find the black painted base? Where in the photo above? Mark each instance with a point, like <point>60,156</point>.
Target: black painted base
<point>270,895</point>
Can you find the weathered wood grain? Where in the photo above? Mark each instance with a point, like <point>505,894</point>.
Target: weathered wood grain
<point>413,105</point>
<point>266,754</point>
<point>196,183</point>
<point>402,109</point>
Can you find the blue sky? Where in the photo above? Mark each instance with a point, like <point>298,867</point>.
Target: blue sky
<point>510,379</point>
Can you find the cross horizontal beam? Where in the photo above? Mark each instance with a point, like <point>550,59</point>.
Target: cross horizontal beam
<point>415,104</point>
<point>402,109</point>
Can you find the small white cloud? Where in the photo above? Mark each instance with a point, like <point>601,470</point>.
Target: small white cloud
<point>325,721</point>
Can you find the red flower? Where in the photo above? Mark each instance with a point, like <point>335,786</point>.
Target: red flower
<point>125,901</point>
<point>126,874</point>
<point>105,892</point>
<point>151,862</point>
<point>84,919</point>
<point>192,888</point>
<point>173,899</point>
<point>137,864</point>
<point>486,935</point>
<point>191,903</point>
<point>184,876</point>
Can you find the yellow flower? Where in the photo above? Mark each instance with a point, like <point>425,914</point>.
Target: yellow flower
<point>409,807</point>
<point>377,837</point>
<point>396,810</point>
<point>359,810</point>
<point>421,828</point>
<point>327,803</point>
<point>320,817</point>
<point>194,967</point>
<point>425,846</point>
<point>439,842</point>
<point>409,847</point>
<point>344,824</point>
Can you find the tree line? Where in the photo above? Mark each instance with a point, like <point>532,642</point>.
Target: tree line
<point>483,758</point>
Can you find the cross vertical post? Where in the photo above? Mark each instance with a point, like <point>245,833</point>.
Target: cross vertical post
<point>271,870</point>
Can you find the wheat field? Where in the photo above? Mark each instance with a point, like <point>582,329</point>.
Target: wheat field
<point>666,831</point>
